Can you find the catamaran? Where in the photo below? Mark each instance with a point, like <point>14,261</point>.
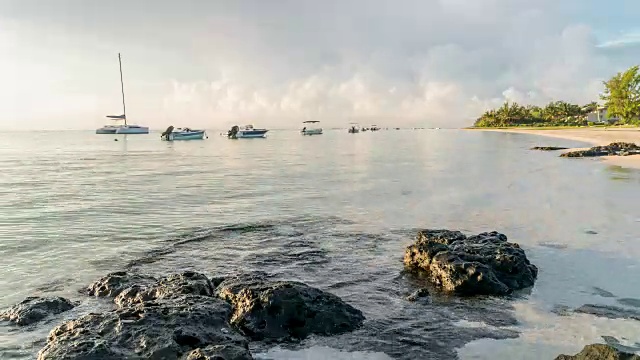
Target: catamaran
<point>311,131</point>
<point>124,128</point>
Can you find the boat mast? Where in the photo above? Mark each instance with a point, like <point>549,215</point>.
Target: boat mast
<point>124,107</point>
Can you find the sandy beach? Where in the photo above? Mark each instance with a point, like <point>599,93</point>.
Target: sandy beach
<point>595,136</point>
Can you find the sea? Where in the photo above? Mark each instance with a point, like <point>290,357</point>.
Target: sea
<point>334,211</point>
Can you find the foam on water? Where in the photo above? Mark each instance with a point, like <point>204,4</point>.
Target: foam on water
<point>319,353</point>
<point>545,335</point>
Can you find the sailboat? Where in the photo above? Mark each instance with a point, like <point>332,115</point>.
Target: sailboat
<point>125,128</point>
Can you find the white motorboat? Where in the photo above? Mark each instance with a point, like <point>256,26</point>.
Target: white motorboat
<point>125,128</point>
<point>248,132</point>
<point>173,134</point>
<point>311,130</point>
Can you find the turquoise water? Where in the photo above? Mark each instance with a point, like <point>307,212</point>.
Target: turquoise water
<point>335,211</point>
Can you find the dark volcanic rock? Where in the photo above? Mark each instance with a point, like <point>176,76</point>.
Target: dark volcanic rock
<point>548,148</point>
<point>284,310</point>
<point>611,312</point>
<point>484,264</point>
<point>112,284</point>
<point>220,352</point>
<point>186,283</point>
<point>599,352</point>
<point>165,329</point>
<point>613,149</point>
<point>34,309</point>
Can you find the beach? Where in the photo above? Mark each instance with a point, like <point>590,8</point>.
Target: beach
<point>594,136</point>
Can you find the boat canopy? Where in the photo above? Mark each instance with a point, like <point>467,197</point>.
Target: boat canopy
<point>310,121</point>
<point>122,117</point>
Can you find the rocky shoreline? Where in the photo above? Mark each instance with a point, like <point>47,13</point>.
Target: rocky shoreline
<point>187,316</point>
<point>192,316</point>
<point>613,149</point>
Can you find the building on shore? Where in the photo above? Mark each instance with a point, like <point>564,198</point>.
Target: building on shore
<point>600,116</point>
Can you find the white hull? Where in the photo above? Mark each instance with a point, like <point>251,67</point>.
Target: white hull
<point>311,132</point>
<point>132,129</point>
<point>185,135</point>
<point>107,129</point>
<point>250,135</point>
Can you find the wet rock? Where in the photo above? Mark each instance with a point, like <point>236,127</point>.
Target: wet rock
<point>599,352</point>
<point>613,149</point>
<point>112,284</point>
<point>34,309</point>
<point>418,294</point>
<point>484,264</point>
<point>629,302</point>
<point>285,310</point>
<point>186,283</point>
<point>602,292</point>
<point>611,312</point>
<point>166,329</point>
<point>548,148</point>
<point>220,352</point>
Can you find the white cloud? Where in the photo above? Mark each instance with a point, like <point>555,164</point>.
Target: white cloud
<point>431,62</point>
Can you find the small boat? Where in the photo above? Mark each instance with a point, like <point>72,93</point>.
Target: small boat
<point>374,128</point>
<point>354,129</point>
<point>126,128</point>
<point>311,131</point>
<point>248,132</point>
<point>173,134</point>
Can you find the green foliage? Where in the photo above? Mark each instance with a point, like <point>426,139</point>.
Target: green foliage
<point>622,96</point>
<point>558,113</point>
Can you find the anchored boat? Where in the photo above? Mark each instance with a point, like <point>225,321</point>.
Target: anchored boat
<point>311,131</point>
<point>354,128</point>
<point>247,132</point>
<point>173,134</point>
<point>125,128</point>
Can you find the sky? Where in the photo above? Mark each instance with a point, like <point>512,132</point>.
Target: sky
<point>275,63</point>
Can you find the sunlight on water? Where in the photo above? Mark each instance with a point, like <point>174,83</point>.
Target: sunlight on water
<point>545,335</point>
<point>336,212</point>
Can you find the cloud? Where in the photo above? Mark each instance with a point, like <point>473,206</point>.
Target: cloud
<point>625,39</point>
<point>427,62</point>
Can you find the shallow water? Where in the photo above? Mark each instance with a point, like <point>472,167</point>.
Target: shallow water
<point>334,211</point>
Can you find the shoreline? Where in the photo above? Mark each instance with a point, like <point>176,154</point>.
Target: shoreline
<point>593,136</point>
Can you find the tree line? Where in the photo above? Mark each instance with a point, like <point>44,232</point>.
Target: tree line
<point>621,97</point>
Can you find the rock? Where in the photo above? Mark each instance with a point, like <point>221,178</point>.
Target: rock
<point>548,148</point>
<point>220,352</point>
<point>599,352</point>
<point>186,283</point>
<point>418,294</point>
<point>484,264</point>
<point>611,312</point>
<point>34,309</point>
<point>166,329</point>
<point>112,284</point>
<point>613,149</point>
<point>285,310</point>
